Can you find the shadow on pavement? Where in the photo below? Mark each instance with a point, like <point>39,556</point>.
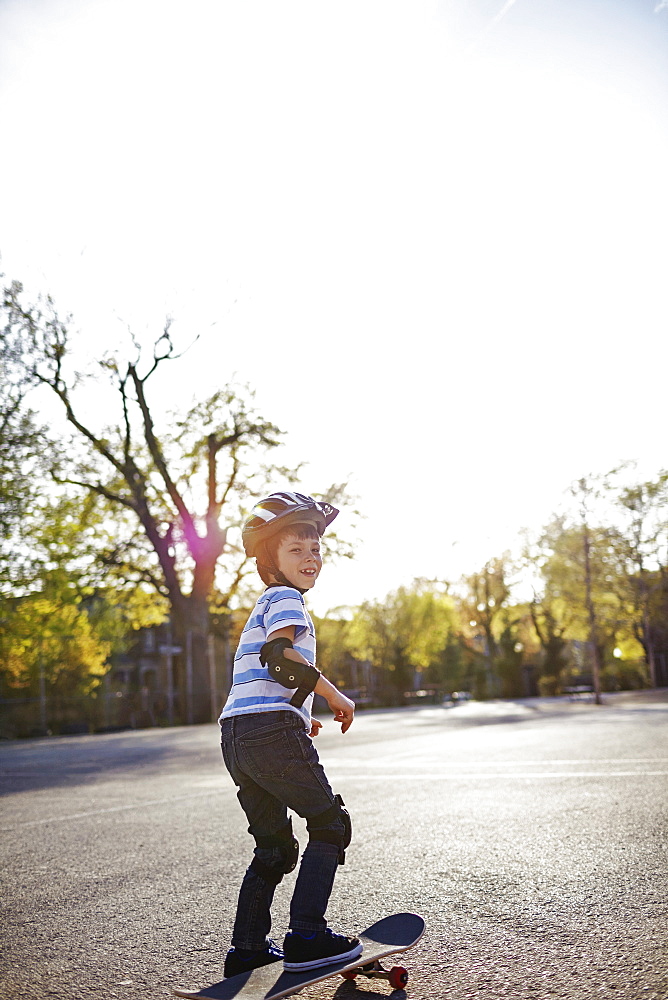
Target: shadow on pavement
<point>77,760</point>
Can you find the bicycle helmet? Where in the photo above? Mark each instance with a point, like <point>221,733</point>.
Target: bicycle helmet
<point>274,513</point>
<point>280,509</point>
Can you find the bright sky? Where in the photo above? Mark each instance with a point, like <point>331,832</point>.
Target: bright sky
<point>431,234</point>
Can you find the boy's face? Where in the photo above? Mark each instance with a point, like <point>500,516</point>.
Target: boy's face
<point>299,560</point>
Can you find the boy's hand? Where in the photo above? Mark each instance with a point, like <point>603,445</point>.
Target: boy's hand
<point>344,710</point>
<point>342,707</point>
<point>315,728</point>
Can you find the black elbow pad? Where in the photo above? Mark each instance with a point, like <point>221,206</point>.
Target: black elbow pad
<point>272,652</point>
<point>288,672</point>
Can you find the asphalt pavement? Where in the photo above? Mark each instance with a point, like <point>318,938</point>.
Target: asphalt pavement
<point>531,835</point>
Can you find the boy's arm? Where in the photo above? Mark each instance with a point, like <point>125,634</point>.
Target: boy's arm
<point>342,707</point>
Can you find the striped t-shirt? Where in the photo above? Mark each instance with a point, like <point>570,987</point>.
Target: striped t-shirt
<point>253,690</point>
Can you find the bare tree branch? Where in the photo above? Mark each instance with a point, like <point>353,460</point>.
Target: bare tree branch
<point>155,450</point>
<point>96,488</point>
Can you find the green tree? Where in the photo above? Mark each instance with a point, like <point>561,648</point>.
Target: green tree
<point>454,667</point>
<point>642,550</point>
<point>584,491</point>
<point>550,609</point>
<point>579,600</point>
<point>509,660</point>
<point>486,594</point>
<point>128,465</point>
<point>60,625</point>
<point>335,658</point>
<point>168,494</point>
<point>22,466</point>
<point>403,635</point>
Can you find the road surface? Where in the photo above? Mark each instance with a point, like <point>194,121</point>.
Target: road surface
<point>531,835</point>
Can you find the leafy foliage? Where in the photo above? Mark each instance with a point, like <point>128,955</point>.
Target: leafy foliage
<point>135,518</point>
<point>159,501</point>
<point>404,635</point>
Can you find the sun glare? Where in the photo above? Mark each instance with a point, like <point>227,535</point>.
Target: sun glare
<point>464,219</point>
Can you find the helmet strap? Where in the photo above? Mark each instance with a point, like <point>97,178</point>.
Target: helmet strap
<point>282,581</point>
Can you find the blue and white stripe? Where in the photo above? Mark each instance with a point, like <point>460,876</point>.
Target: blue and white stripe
<point>253,690</point>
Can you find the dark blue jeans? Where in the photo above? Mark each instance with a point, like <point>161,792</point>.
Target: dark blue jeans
<point>272,760</point>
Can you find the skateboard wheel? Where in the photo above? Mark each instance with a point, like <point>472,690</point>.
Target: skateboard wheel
<point>398,977</point>
<point>350,974</point>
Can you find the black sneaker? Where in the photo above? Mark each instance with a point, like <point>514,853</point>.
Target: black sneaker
<point>239,960</point>
<point>319,948</point>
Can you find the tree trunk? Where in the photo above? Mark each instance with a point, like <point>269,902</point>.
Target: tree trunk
<point>190,620</point>
<point>647,638</point>
<point>591,614</point>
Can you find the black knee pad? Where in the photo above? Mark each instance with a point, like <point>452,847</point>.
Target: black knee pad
<point>285,846</point>
<point>320,827</point>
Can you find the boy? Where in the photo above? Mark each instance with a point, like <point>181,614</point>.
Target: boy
<point>267,733</point>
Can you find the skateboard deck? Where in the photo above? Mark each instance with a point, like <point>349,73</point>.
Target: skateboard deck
<point>386,937</point>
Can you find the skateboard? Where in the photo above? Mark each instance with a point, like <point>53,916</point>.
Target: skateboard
<point>386,937</point>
